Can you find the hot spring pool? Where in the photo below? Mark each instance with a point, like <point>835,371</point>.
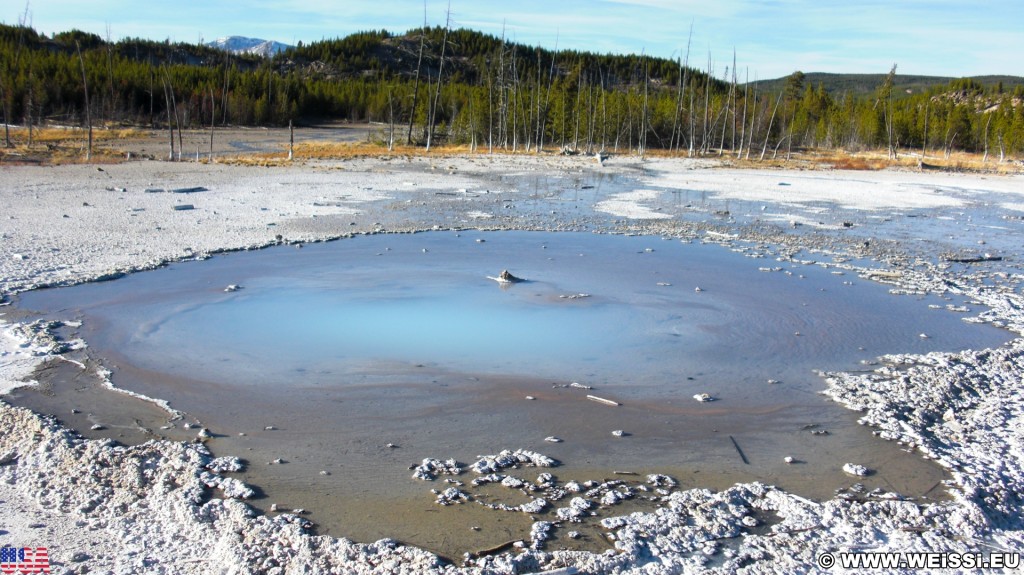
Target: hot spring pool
<point>348,346</point>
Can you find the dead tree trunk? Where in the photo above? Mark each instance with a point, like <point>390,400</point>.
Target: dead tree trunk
<point>440,76</point>
<point>7,116</point>
<point>88,115</point>
<point>677,134</point>
<point>416,82</point>
<point>291,141</point>
<point>213,119</point>
<point>743,120</point>
<point>29,101</point>
<point>643,117</point>
<point>984,158</point>
<point>768,132</point>
<point>224,96</point>
<point>170,124</point>
<point>924,139</point>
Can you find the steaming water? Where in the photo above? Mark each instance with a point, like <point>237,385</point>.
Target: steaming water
<point>348,346</point>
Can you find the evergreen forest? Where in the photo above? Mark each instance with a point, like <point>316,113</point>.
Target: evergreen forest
<point>436,86</point>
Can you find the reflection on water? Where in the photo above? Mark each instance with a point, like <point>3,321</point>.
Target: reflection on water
<point>346,347</point>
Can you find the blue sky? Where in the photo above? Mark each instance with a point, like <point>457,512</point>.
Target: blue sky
<point>772,38</point>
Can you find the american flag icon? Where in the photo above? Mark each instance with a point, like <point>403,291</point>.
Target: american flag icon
<point>24,560</point>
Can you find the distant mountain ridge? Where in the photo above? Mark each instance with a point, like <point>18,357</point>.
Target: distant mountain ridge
<point>867,84</point>
<point>244,45</point>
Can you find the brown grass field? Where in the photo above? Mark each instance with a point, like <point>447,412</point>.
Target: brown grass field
<point>269,147</point>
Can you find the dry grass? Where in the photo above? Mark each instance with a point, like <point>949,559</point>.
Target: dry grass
<point>62,145</point>
<point>873,160</point>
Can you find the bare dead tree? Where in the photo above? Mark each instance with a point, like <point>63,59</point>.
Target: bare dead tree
<point>490,110</point>
<point>577,108</point>
<point>677,128</point>
<point>984,159</point>
<point>227,87</point>
<point>753,118</point>
<point>30,99</point>
<point>416,82</point>
<point>213,119</point>
<point>547,103</point>
<point>924,139</point>
<point>7,113</point>
<point>743,120</point>
<point>642,139</point>
<point>111,107</point>
<point>886,94</point>
<point>515,97</point>
<point>167,105</point>
<point>391,119</point>
<point>732,145</point>
<point>768,132</point>
<point>705,132</point>
<point>177,120</point>
<point>440,76</point>
<point>291,141</point>
<point>88,115</point>
<point>725,115</point>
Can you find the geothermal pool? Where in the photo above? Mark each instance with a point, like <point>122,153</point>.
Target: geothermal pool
<point>328,354</point>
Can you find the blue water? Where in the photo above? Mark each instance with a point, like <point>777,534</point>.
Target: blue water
<point>335,314</point>
<point>345,347</point>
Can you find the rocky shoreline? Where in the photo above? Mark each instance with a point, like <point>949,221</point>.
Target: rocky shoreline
<point>160,508</point>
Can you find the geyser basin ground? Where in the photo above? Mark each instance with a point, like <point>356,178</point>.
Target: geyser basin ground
<point>348,346</point>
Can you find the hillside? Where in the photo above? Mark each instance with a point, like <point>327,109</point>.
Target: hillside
<point>867,84</point>
<point>433,85</point>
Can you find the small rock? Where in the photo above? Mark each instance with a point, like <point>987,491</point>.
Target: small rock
<point>856,470</point>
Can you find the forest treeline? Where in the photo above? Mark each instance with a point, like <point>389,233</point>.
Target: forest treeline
<point>437,85</point>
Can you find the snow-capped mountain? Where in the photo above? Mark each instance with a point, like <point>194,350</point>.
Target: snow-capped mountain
<point>243,45</point>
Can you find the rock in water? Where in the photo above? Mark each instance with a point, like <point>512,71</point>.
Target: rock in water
<point>506,278</point>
